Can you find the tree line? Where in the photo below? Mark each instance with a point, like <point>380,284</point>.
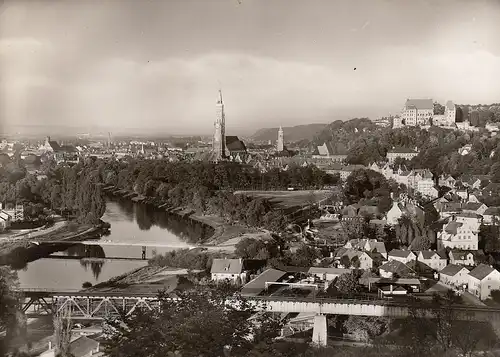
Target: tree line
<point>71,190</point>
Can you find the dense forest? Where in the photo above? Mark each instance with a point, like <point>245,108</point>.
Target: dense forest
<point>438,147</point>
<point>72,190</point>
<point>207,188</point>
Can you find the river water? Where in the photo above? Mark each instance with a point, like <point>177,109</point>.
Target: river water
<point>133,225</point>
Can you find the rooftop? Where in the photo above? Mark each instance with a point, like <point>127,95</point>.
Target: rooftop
<point>452,269</point>
<point>481,271</point>
<point>420,104</point>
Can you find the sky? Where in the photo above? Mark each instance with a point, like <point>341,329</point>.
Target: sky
<point>157,64</point>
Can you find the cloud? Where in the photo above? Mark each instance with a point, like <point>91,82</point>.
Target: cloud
<point>178,93</point>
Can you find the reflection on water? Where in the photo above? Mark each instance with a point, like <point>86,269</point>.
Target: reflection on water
<point>130,223</point>
<point>70,273</point>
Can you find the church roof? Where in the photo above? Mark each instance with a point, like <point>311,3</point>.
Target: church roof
<point>233,143</point>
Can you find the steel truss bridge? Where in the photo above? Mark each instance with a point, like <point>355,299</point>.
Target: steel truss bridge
<point>79,305</point>
<point>85,305</point>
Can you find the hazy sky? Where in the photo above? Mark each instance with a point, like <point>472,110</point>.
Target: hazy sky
<point>158,64</point>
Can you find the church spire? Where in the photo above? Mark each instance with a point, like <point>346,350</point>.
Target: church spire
<point>219,100</point>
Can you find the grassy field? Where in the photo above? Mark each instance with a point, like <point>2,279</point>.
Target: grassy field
<point>288,199</point>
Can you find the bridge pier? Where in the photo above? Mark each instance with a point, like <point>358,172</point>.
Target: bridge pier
<point>320,335</point>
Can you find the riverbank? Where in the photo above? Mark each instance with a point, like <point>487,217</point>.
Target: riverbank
<point>225,236</point>
<point>148,279</point>
<point>61,231</point>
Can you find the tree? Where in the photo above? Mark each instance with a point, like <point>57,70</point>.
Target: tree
<point>445,318</point>
<point>438,108</point>
<point>62,333</point>
<point>348,283</point>
<point>12,320</point>
<point>469,335</point>
<point>305,256</point>
<point>201,323</point>
<point>366,328</point>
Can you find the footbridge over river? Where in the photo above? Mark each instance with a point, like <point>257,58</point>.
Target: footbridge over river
<point>100,305</point>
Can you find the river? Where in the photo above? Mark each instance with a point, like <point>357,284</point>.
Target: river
<point>133,225</point>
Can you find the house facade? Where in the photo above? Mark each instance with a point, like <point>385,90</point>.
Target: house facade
<point>404,153</point>
<point>236,271</point>
<point>461,232</point>
<point>454,276</point>
<point>482,280</point>
<point>432,259</point>
<point>458,257</point>
<point>403,256</point>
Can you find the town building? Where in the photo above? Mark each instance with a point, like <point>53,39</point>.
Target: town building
<point>5,220</point>
<point>491,216</point>
<point>455,276</point>
<point>432,259</point>
<point>447,181</point>
<point>403,256</point>
<point>404,207</point>
<point>343,170</point>
<point>236,271</point>
<point>462,257</point>
<point>482,280</point>
<point>461,232</point>
<point>331,152</point>
<point>327,274</point>
<point>417,112</point>
<point>395,269</point>
<point>219,139</point>
<point>401,152</point>
<point>280,143</point>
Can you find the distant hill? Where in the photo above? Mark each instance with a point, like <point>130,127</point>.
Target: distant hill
<point>294,133</point>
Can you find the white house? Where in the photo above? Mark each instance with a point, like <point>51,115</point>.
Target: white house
<point>235,270</point>
<point>461,257</point>
<point>327,274</point>
<point>404,207</point>
<point>404,153</point>
<point>5,220</point>
<point>461,232</point>
<point>367,245</point>
<point>482,280</point>
<point>491,216</point>
<point>432,259</point>
<point>357,259</point>
<point>403,256</point>
<point>454,276</point>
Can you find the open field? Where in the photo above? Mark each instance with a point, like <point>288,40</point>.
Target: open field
<point>288,199</point>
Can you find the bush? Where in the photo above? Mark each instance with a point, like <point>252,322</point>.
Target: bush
<point>86,285</point>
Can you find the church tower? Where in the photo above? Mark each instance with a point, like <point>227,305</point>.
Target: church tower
<point>219,140</point>
<point>280,144</point>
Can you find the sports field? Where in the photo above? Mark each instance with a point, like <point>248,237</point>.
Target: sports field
<point>288,199</point>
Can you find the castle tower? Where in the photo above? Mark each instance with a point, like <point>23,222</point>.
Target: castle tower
<point>280,145</point>
<point>219,140</point>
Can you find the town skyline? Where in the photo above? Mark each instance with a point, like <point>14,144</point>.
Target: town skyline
<point>146,68</point>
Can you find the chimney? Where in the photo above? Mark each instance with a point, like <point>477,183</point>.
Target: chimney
<point>241,261</point>
<point>50,345</point>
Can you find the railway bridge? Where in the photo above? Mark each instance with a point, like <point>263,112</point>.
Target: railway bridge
<point>81,305</point>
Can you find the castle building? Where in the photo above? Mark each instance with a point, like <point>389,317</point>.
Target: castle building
<point>417,112</point>
<point>280,145</point>
<point>219,140</point>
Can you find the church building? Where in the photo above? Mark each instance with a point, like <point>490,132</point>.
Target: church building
<point>224,147</point>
